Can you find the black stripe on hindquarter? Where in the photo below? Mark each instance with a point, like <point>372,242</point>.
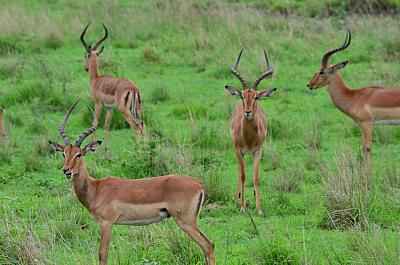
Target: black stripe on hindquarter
<point>127,98</point>
<point>199,204</point>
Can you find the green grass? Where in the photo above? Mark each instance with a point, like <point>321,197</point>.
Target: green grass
<point>179,53</point>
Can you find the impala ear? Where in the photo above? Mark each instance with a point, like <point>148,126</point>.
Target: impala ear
<point>266,93</point>
<point>91,147</point>
<point>337,67</point>
<point>233,91</point>
<point>101,50</point>
<point>57,147</point>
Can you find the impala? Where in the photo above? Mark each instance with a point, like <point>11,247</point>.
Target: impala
<point>248,128</point>
<point>132,202</point>
<point>366,106</point>
<point>112,92</point>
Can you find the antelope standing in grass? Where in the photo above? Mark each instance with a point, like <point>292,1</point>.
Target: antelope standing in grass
<point>366,106</point>
<point>112,92</point>
<point>248,128</point>
<point>132,202</point>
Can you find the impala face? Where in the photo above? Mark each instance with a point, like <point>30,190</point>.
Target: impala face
<point>324,75</point>
<point>249,98</point>
<point>73,154</point>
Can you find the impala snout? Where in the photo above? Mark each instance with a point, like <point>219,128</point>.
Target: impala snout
<point>67,172</point>
<point>248,114</point>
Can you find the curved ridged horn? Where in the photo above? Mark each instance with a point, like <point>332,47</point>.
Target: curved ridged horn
<point>329,53</point>
<point>102,39</point>
<point>265,74</point>
<point>89,131</point>
<point>236,73</point>
<point>83,36</point>
<point>61,129</point>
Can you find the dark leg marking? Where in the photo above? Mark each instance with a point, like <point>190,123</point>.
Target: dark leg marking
<point>127,97</point>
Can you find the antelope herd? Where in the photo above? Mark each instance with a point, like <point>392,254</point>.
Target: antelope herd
<point>138,202</point>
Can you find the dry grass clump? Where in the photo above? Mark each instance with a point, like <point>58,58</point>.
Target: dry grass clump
<point>347,189</point>
<point>19,244</point>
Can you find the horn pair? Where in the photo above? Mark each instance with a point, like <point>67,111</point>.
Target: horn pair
<point>84,134</point>
<point>88,47</point>
<point>263,75</point>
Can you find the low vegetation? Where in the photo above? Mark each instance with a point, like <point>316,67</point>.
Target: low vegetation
<point>319,206</point>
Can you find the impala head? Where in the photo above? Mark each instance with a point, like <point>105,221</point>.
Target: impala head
<point>91,51</point>
<point>73,154</point>
<point>250,95</point>
<point>327,71</point>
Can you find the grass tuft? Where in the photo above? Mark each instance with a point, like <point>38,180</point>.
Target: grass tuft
<point>347,189</point>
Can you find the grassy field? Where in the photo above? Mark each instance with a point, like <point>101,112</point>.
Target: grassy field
<point>319,207</point>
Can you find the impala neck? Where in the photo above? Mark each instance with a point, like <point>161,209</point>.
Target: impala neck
<point>341,95</point>
<point>83,185</point>
<point>93,68</point>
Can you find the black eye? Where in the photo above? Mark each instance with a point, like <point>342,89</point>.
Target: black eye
<point>63,154</point>
<point>78,155</point>
<point>321,73</point>
<point>256,97</point>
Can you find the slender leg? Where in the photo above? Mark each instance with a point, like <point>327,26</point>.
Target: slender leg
<point>256,178</point>
<point>107,127</point>
<point>106,228</point>
<point>139,119</point>
<point>194,232</point>
<point>241,180</point>
<point>133,123</point>
<point>367,144</point>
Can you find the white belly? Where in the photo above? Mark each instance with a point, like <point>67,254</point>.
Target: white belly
<point>157,219</point>
<point>386,115</point>
<point>387,122</point>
